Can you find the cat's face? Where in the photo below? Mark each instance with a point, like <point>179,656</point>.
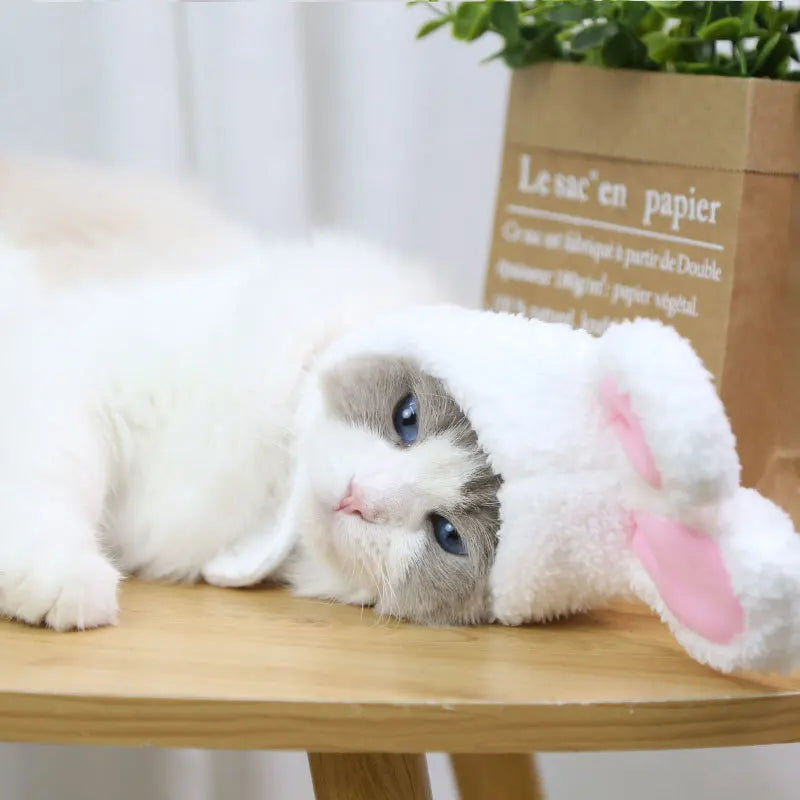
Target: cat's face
<point>401,509</point>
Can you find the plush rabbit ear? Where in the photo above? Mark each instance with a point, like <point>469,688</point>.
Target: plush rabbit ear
<point>689,571</point>
<point>731,593</point>
<point>744,613</point>
<point>685,564</point>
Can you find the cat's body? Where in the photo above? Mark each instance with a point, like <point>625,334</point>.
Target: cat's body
<point>190,383</point>
<point>147,427</point>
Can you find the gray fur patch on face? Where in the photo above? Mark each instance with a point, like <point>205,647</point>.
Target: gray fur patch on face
<point>440,588</point>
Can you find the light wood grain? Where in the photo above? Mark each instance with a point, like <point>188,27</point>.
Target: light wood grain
<point>338,776</point>
<point>491,777</point>
<point>194,666</point>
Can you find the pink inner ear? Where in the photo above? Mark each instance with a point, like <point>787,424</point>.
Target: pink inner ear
<point>626,424</point>
<point>686,565</point>
<point>689,572</point>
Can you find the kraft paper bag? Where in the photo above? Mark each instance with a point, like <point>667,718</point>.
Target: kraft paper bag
<point>630,194</point>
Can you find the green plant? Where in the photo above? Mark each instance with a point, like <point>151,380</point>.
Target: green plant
<point>712,38</point>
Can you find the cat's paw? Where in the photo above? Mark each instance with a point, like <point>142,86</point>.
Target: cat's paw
<point>88,599</point>
<point>76,595</point>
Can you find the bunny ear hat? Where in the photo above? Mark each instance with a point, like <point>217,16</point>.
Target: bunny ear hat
<point>620,476</point>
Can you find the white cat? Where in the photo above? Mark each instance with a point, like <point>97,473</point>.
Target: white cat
<point>151,426</point>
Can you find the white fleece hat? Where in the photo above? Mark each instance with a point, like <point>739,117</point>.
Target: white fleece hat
<point>620,475</point>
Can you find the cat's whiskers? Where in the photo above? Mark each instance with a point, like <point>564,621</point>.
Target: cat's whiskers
<point>390,586</point>
<point>382,586</point>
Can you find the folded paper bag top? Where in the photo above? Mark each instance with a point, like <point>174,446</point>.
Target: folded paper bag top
<point>620,475</point>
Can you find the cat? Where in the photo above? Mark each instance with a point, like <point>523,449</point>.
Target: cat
<point>83,221</point>
<point>153,426</point>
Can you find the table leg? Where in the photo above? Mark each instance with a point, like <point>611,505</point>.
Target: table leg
<point>369,776</point>
<point>490,777</point>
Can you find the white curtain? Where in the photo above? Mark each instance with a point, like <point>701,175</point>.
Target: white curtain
<point>296,115</point>
<point>211,89</point>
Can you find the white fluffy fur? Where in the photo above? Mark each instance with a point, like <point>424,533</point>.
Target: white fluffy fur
<point>150,425</point>
<point>81,221</point>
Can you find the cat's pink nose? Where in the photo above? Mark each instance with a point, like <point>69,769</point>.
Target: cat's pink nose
<point>353,502</point>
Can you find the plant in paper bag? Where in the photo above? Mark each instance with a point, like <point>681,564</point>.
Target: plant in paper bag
<point>746,39</point>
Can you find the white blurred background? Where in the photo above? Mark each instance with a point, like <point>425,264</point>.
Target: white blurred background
<point>297,115</point>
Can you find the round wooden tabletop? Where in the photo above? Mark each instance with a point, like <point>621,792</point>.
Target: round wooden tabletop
<point>194,666</point>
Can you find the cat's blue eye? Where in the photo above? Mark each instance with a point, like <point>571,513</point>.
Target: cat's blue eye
<point>405,419</point>
<point>447,537</point>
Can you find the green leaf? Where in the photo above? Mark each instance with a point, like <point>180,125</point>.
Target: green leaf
<point>770,17</point>
<point>695,68</point>
<point>694,50</point>
<point>543,42</point>
<point>773,53</point>
<point>431,25</point>
<point>566,12</point>
<point>725,28</point>
<point>623,50</point>
<point>661,47</point>
<point>471,21</point>
<point>719,10</point>
<point>633,13</point>
<point>593,36</point>
<point>601,9</point>
<point>493,56</point>
<point>785,17</point>
<point>593,58</point>
<point>651,22</point>
<point>504,18</point>
<point>725,65</point>
<point>749,15</point>
<point>516,55</point>
<point>695,12</point>
<point>764,50</point>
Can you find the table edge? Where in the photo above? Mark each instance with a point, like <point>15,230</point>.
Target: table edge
<point>399,726</point>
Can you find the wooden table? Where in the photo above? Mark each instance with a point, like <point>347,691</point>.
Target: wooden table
<point>194,666</point>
